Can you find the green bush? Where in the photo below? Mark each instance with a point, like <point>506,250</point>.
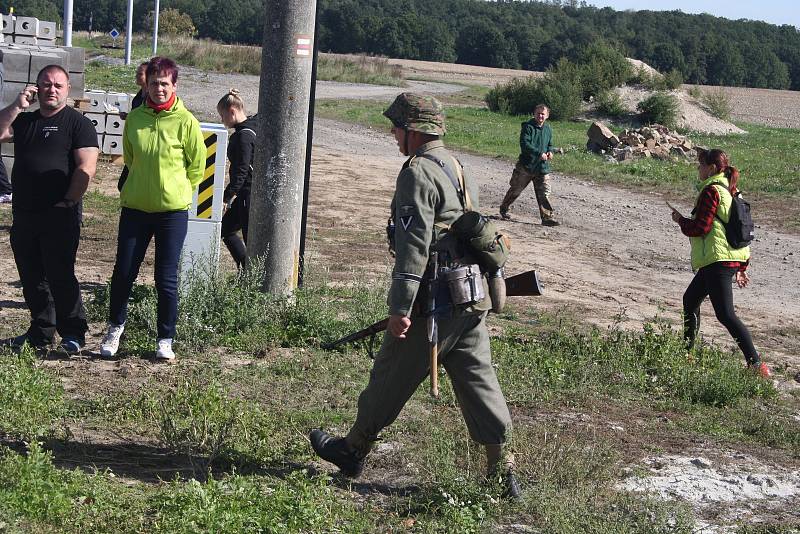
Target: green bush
<point>610,103</point>
<point>657,82</point>
<point>172,22</point>
<point>517,97</point>
<point>661,108</point>
<point>673,79</point>
<point>718,103</point>
<point>602,67</point>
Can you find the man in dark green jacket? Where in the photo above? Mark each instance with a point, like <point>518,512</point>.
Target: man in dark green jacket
<point>533,165</point>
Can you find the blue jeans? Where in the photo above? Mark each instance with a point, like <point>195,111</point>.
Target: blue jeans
<point>136,228</point>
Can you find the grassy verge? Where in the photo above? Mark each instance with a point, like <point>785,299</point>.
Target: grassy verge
<point>768,158</point>
<point>216,57</point>
<point>229,428</point>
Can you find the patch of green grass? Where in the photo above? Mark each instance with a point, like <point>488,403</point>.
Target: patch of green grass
<point>106,77</point>
<point>768,158</point>
<point>35,496</point>
<point>31,399</point>
<point>231,310</point>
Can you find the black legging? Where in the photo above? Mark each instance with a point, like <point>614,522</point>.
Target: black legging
<point>235,219</point>
<point>714,281</point>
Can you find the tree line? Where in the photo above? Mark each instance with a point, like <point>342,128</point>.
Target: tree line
<point>530,35</point>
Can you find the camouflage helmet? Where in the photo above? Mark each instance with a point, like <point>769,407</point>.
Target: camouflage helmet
<point>418,113</point>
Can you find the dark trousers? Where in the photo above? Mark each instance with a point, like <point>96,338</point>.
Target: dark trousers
<point>45,244</point>
<point>136,229</point>
<point>236,218</point>
<point>5,183</point>
<point>715,281</point>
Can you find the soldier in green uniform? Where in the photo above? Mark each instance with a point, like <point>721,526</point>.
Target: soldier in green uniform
<point>428,198</point>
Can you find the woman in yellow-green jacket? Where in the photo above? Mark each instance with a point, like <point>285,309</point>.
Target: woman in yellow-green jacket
<point>714,260</point>
<point>164,151</point>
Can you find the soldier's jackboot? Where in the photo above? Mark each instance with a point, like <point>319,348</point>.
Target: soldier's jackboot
<point>500,468</point>
<point>338,452</point>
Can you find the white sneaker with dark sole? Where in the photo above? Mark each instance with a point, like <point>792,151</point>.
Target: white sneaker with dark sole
<point>110,344</point>
<point>164,350</point>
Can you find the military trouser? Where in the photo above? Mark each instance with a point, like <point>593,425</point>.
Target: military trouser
<point>520,179</point>
<point>402,365</point>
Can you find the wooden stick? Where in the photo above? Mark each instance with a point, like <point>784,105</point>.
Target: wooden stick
<point>435,370</point>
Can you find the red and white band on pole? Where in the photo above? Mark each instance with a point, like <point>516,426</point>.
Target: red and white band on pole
<point>303,45</point>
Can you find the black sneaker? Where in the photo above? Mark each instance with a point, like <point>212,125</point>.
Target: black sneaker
<point>550,222</point>
<point>338,452</point>
<point>505,215</point>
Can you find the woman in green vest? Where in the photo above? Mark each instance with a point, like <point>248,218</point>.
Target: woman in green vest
<point>714,261</point>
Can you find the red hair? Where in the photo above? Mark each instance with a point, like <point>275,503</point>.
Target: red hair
<point>162,66</point>
<point>721,163</point>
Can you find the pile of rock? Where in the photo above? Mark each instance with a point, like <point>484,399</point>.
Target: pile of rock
<point>654,141</point>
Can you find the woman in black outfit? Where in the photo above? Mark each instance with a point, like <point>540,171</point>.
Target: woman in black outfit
<point>237,194</point>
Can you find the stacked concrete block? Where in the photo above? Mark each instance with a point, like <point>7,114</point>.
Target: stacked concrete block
<point>104,109</point>
<point>21,64</point>
<point>28,30</point>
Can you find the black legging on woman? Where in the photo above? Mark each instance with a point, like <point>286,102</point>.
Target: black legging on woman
<point>715,281</point>
<point>235,219</point>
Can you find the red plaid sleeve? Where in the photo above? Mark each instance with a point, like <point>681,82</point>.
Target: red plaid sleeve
<point>704,214</point>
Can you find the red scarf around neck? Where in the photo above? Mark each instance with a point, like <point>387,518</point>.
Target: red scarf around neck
<point>161,107</point>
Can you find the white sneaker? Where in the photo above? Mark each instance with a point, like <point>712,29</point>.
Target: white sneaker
<point>5,199</point>
<point>164,350</point>
<point>110,344</point>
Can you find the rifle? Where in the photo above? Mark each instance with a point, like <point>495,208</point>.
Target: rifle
<point>520,285</point>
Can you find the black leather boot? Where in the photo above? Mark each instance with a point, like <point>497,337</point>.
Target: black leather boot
<point>338,452</point>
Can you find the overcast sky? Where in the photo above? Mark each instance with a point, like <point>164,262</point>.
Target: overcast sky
<point>772,11</point>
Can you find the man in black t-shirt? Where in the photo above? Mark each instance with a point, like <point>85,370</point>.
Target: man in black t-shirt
<point>55,156</point>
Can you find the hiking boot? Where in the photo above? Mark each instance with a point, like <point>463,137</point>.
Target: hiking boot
<point>110,344</point>
<point>164,350</point>
<point>505,215</point>
<point>338,452</point>
<point>550,222</point>
<point>71,345</point>
<point>5,199</point>
<point>760,369</point>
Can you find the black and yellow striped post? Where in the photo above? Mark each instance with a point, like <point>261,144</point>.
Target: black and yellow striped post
<point>205,191</point>
<point>201,248</point>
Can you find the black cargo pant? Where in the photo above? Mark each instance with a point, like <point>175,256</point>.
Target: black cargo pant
<point>45,244</point>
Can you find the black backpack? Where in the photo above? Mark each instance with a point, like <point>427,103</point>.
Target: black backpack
<point>740,229</point>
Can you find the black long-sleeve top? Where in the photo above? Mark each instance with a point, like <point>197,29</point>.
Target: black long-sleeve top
<point>241,150</point>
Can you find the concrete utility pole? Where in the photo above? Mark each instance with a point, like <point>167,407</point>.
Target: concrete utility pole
<point>129,33</point>
<point>155,28</point>
<point>283,109</point>
<point>67,22</point>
